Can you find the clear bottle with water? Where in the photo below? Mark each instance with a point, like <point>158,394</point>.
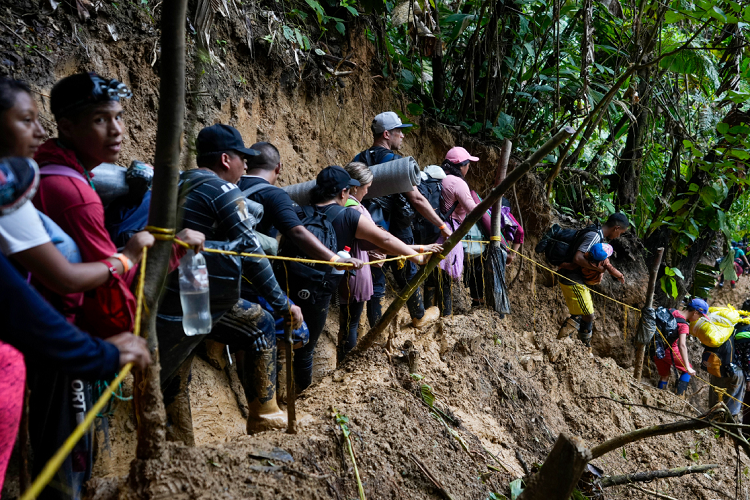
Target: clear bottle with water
<point>344,254</point>
<point>194,295</point>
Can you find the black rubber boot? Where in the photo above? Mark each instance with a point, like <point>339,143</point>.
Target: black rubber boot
<point>258,374</point>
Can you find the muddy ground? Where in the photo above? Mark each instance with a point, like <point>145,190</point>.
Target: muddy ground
<point>506,391</point>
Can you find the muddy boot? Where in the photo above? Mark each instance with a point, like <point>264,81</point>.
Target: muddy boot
<point>258,377</point>
<point>431,315</point>
<point>567,328</point>
<point>682,385</point>
<point>429,296</point>
<point>585,334</point>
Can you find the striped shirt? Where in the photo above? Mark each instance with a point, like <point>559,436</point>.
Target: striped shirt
<point>217,208</point>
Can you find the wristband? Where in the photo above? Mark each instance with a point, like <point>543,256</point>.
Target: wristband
<point>442,227</point>
<point>112,269</point>
<point>127,264</point>
<point>335,258</point>
<point>421,249</point>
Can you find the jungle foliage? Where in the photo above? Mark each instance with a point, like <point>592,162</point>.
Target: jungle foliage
<point>658,93</point>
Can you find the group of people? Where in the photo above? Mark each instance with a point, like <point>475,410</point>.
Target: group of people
<point>740,266</point>
<point>68,289</point>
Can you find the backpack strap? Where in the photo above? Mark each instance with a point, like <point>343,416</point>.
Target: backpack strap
<point>247,193</point>
<point>64,171</point>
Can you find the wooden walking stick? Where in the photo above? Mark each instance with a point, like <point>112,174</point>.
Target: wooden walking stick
<point>291,396</point>
<point>640,349</point>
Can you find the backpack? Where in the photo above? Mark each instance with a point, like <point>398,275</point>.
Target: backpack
<point>667,324</point>
<point>310,280</point>
<point>425,233</point>
<point>560,245</point>
<point>269,244</point>
<point>123,219</point>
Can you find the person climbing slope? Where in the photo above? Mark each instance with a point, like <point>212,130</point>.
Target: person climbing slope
<point>576,293</point>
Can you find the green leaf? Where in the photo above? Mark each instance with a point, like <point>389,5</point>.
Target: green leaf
<point>516,488</point>
<point>722,127</point>
<point>672,16</point>
<point>475,128</point>
<point>340,27</point>
<point>415,108</point>
<point>708,194</point>
<point>669,287</point>
<point>678,204</point>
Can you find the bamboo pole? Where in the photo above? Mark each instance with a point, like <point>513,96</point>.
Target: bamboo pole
<point>472,218</point>
<point>162,214</point>
<point>496,226</point>
<point>640,349</point>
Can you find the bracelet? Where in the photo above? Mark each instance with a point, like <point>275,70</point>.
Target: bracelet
<point>335,258</point>
<point>442,227</point>
<point>421,249</point>
<point>112,269</point>
<point>127,264</point>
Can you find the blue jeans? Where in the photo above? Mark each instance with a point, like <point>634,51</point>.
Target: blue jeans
<point>315,317</point>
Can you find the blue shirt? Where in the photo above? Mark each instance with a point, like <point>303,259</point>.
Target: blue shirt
<point>41,333</point>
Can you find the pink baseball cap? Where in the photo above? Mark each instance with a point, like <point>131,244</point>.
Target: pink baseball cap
<point>459,155</point>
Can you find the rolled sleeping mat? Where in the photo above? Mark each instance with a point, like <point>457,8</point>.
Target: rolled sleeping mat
<point>109,181</point>
<point>397,176</point>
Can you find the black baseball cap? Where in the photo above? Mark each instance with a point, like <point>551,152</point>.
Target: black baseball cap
<point>221,138</point>
<point>335,178</point>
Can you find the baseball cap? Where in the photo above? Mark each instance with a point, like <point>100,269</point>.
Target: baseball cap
<point>459,155</point>
<point>335,178</point>
<point>699,305</point>
<point>598,253</point>
<point>220,138</point>
<point>387,121</point>
<point>19,180</point>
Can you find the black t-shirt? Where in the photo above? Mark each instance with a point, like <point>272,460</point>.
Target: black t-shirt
<point>344,225</point>
<point>279,210</point>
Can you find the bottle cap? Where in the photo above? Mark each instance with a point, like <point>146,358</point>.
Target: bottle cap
<point>346,249</point>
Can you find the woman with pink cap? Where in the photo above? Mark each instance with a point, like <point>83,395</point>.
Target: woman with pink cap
<point>457,202</point>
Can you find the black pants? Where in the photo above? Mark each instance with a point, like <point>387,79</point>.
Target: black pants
<point>57,402</point>
<point>349,316</point>
<point>415,304</point>
<point>440,288</point>
<point>246,327</point>
<point>474,277</point>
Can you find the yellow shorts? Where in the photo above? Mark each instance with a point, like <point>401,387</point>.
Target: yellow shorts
<point>578,299</point>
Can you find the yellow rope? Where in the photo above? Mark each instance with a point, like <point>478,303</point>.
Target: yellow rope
<point>59,457</point>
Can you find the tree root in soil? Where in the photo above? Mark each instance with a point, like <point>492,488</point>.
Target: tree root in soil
<point>639,477</point>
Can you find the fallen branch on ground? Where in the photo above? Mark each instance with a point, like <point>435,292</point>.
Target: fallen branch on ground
<point>429,476</point>
<point>639,477</point>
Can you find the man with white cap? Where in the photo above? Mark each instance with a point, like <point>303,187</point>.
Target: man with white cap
<point>398,209</point>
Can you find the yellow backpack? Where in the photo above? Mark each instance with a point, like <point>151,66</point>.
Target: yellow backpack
<point>717,326</point>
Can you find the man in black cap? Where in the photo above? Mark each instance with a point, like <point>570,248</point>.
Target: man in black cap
<point>387,131</point>
<point>214,205</point>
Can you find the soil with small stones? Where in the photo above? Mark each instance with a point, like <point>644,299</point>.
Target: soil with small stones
<point>503,388</point>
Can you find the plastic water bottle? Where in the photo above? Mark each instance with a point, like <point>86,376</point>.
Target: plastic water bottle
<point>344,254</point>
<point>194,295</point>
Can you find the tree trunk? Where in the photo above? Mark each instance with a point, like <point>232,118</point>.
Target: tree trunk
<point>631,160</point>
<point>162,214</point>
<point>560,472</point>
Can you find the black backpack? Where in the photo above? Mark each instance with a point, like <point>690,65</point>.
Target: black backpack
<point>559,244</point>
<point>425,232</point>
<point>668,326</point>
<point>309,280</point>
